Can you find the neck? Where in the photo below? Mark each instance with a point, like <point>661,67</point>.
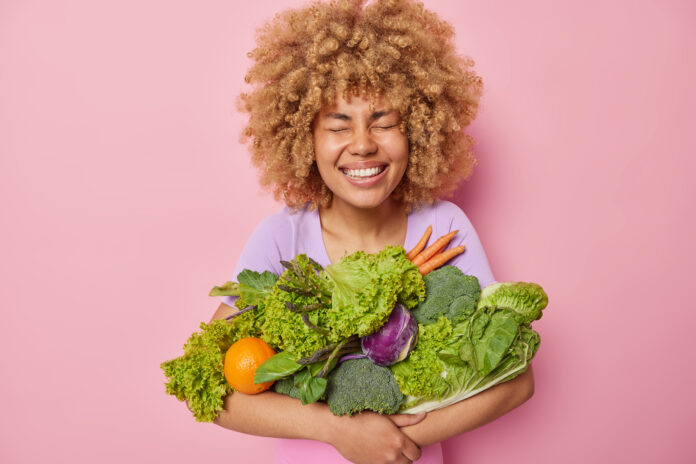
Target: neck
<point>364,228</point>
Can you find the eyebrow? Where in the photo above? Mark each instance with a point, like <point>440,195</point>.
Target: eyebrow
<point>344,117</point>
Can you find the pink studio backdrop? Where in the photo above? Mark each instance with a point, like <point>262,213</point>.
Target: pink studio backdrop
<point>125,195</point>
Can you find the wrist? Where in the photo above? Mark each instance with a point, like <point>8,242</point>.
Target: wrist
<point>328,428</point>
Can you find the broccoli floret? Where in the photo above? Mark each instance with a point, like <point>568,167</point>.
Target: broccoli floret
<point>287,387</point>
<point>358,385</point>
<point>450,293</point>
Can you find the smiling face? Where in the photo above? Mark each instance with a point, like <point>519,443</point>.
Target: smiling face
<point>360,152</point>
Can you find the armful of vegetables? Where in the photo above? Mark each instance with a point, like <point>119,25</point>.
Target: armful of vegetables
<point>384,332</point>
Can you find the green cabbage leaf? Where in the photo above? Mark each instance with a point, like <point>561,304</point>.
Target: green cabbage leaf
<point>452,362</point>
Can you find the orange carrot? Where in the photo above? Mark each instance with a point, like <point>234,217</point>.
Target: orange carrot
<point>420,245</point>
<point>439,244</point>
<point>438,260</point>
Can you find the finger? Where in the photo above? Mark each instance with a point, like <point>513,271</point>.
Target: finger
<point>411,451</point>
<point>403,420</point>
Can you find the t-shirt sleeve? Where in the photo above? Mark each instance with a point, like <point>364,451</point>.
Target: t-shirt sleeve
<point>264,250</point>
<point>473,261</point>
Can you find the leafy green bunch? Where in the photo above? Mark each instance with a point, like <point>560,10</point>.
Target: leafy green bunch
<point>483,340</point>
<point>197,376</point>
<point>468,340</point>
<point>310,314</point>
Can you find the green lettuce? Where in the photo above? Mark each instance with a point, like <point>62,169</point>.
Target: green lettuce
<point>285,330</point>
<point>525,299</point>
<point>354,296</point>
<point>310,313</point>
<point>420,375</point>
<point>300,286</point>
<point>365,287</point>
<point>197,376</point>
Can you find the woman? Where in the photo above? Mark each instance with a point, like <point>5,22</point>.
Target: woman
<point>356,122</point>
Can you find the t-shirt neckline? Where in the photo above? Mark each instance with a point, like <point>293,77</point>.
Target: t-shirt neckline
<point>319,236</point>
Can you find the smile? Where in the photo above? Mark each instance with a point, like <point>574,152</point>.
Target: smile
<point>363,173</point>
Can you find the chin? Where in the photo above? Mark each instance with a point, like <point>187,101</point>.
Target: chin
<point>366,203</point>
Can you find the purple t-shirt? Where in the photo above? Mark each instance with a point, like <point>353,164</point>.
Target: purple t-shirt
<point>284,235</point>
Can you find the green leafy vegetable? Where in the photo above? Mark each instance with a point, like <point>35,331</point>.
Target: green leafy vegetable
<point>197,377</point>
<point>524,298</point>
<point>252,289</point>
<point>495,342</point>
<point>310,308</point>
<point>421,373</point>
<point>311,388</point>
<point>365,288</point>
<point>276,367</point>
<point>226,289</point>
<point>287,387</point>
<point>297,290</point>
<point>469,340</point>
<point>455,363</point>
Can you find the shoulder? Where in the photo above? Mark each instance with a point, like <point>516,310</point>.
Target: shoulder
<point>272,226</point>
<point>274,239</point>
<point>444,216</point>
<point>265,245</point>
<point>282,226</point>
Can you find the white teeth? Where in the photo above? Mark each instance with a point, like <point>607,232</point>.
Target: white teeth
<point>362,173</point>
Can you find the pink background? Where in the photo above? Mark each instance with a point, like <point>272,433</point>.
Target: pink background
<point>125,195</point>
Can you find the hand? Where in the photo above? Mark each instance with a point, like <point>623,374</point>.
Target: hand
<point>371,438</point>
<point>404,420</point>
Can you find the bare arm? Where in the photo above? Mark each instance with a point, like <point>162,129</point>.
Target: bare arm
<point>473,412</point>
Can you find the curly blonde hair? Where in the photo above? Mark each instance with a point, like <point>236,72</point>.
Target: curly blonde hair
<point>390,48</point>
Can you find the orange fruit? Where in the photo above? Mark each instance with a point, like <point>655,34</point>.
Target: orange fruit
<point>241,361</point>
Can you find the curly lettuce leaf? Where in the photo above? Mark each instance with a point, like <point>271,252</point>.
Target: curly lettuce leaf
<point>365,287</point>
<point>198,375</point>
<point>420,375</point>
<point>525,299</point>
<point>284,329</point>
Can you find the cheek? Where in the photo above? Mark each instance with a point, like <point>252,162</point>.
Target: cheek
<point>400,149</point>
<point>325,161</point>
<point>319,151</point>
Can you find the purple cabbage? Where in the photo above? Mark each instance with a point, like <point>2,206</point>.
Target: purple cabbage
<point>393,342</point>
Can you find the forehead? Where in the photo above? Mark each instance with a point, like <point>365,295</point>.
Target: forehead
<point>355,105</point>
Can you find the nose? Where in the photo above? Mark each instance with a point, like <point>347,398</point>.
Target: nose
<point>362,143</point>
